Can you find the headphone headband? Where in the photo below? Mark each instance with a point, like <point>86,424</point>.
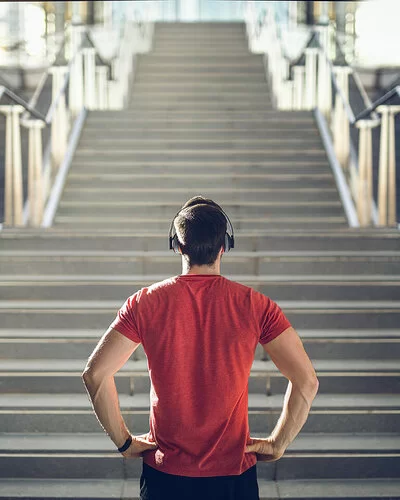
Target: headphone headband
<point>229,238</point>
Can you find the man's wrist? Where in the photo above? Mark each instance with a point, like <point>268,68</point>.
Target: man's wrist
<point>126,445</point>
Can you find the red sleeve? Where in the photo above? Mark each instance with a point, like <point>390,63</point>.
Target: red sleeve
<point>273,321</point>
<point>125,321</point>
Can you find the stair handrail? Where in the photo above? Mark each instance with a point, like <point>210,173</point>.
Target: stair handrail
<point>76,87</point>
<point>4,91</point>
<point>300,92</point>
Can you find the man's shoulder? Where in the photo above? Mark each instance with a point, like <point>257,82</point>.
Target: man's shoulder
<point>158,287</point>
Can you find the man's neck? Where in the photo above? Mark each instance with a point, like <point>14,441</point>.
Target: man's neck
<point>186,269</point>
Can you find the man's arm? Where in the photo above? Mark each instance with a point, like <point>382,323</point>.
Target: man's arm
<point>288,354</point>
<point>110,354</point>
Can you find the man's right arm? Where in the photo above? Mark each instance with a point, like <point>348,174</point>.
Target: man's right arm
<point>288,354</point>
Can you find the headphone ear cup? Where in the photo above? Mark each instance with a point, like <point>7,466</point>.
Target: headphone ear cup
<point>175,244</point>
<point>227,244</point>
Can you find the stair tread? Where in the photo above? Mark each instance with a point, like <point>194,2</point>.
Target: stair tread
<point>140,401</point>
<point>314,444</point>
<point>77,365</point>
<point>242,278</point>
<point>114,305</point>
<point>273,490</point>
<point>15,333</point>
<point>257,254</point>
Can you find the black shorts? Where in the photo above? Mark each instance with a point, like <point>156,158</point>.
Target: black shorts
<point>157,485</point>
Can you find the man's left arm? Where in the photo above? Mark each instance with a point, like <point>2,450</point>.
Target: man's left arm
<point>111,353</point>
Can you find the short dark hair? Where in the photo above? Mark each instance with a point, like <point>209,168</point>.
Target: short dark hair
<point>201,228</point>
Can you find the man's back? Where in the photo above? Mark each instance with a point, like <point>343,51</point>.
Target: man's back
<point>199,333</point>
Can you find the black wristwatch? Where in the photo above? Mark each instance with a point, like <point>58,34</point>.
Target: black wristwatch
<point>126,445</point>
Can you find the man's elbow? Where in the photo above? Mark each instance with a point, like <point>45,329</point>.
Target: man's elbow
<point>310,388</point>
<point>90,377</point>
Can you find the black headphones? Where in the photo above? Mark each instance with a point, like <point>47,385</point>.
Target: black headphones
<point>229,236</point>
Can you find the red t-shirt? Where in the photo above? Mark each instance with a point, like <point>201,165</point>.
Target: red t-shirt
<point>199,333</point>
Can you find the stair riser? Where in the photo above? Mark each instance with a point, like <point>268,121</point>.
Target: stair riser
<point>96,135</point>
<point>172,266</point>
<point>316,350</point>
<point>143,242</point>
<point>202,88</point>
<point>80,209</point>
<point>211,117</point>
<point>260,422</point>
<point>75,191</point>
<point>287,468</point>
<point>259,100</point>
<point>129,145</point>
<point>329,384</point>
<point>196,127</point>
<point>210,188</point>
<point>281,182</point>
<point>195,105</point>
<point>350,467</point>
<point>306,319</point>
<point>108,290</point>
<point>222,77</point>
<point>72,223</point>
<point>216,58</point>
<point>209,157</point>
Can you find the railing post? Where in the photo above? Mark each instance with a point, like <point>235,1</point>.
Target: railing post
<point>59,123</point>
<point>341,125</point>
<point>387,215</point>
<point>101,90</point>
<point>311,77</point>
<point>13,209</point>
<point>364,184</point>
<point>298,89</point>
<point>89,65</point>
<point>35,173</point>
<point>324,95</point>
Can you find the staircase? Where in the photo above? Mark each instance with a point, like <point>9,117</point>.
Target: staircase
<point>200,121</point>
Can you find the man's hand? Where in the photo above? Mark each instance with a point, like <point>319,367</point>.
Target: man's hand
<point>139,445</point>
<point>265,449</point>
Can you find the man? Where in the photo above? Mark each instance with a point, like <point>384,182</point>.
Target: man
<point>200,332</point>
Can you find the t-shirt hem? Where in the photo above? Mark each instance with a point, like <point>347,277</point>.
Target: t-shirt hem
<point>125,333</point>
<point>189,472</point>
<point>275,335</point>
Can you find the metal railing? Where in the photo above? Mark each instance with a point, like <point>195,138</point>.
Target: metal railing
<point>80,85</point>
<point>323,85</point>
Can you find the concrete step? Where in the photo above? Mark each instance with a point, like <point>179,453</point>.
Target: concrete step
<point>282,288</point>
<point>92,133</point>
<point>211,117</point>
<point>146,210</point>
<point>126,143</point>
<point>202,69</point>
<point>99,314</point>
<point>172,58</point>
<point>232,172</point>
<point>206,88</point>
<point>195,105</point>
<point>72,412</point>
<point>62,456</point>
<point>77,189</point>
<point>118,223</point>
<point>232,77</point>
<point>197,101</point>
<point>37,489</point>
<point>63,376</point>
<point>328,264</point>
<point>168,123</point>
<point>277,240</point>
<point>179,155</point>
<point>319,344</point>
